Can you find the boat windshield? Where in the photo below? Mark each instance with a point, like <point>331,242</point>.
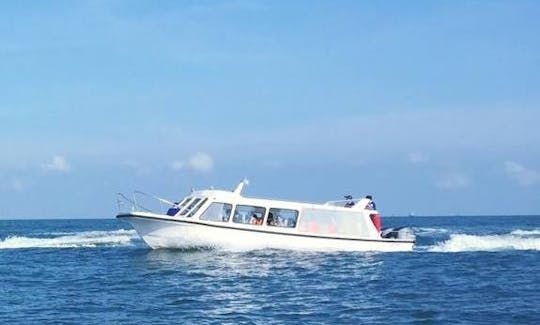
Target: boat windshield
<point>193,206</point>
<point>190,205</point>
<point>196,208</point>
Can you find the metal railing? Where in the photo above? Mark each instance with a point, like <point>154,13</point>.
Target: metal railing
<point>135,203</point>
<point>347,203</point>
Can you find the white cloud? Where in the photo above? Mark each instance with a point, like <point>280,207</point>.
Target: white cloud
<point>201,162</point>
<point>522,175</point>
<point>417,158</point>
<point>452,181</point>
<point>58,164</point>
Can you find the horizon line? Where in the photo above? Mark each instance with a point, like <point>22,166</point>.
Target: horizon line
<point>383,216</point>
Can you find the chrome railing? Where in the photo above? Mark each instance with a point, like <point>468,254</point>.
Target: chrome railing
<point>138,198</point>
<point>343,203</point>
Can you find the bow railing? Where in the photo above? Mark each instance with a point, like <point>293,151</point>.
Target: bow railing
<point>142,202</point>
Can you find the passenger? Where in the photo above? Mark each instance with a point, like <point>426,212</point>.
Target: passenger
<point>283,222</point>
<point>350,203</point>
<point>174,209</point>
<point>256,220</point>
<point>332,227</point>
<point>371,205</point>
<point>225,215</point>
<point>271,221</point>
<point>313,227</point>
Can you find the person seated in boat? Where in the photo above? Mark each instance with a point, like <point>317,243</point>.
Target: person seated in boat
<point>174,209</point>
<point>256,219</point>
<point>350,202</point>
<point>371,205</point>
<point>272,221</point>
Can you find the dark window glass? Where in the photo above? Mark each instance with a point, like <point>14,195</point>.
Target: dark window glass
<point>190,206</point>
<point>282,218</point>
<point>196,208</point>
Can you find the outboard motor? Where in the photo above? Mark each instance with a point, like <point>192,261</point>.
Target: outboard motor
<point>402,233</point>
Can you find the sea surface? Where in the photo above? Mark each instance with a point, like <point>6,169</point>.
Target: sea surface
<point>464,270</point>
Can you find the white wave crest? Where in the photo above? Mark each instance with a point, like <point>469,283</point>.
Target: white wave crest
<point>119,237</point>
<point>428,230</point>
<point>468,243</point>
<point>520,232</point>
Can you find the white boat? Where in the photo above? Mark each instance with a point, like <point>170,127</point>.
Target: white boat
<point>227,219</point>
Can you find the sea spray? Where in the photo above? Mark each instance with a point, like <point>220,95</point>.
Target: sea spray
<point>515,240</point>
<point>119,237</point>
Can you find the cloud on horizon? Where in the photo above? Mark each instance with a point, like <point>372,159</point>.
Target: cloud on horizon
<point>57,164</point>
<point>200,162</point>
<point>452,181</point>
<point>521,174</point>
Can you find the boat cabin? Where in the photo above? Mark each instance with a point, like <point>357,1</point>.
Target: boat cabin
<point>348,218</point>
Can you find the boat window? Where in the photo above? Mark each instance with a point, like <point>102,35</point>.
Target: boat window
<point>196,208</point>
<point>190,206</point>
<point>185,202</point>
<point>249,214</point>
<point>282,218</point>
<point>334,222</point>
<point>217,212</point>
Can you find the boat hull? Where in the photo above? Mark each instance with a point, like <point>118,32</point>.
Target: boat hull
<point>159,232</point>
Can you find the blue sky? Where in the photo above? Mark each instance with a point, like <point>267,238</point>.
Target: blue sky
<point>431,106</point>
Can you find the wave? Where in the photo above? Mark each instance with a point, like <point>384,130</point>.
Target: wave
<point>520,232</point>
<point>121,237</point>
<point>516,240</point>
<point>429,231</point>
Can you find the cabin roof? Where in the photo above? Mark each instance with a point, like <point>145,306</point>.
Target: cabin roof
<point>237,198</point>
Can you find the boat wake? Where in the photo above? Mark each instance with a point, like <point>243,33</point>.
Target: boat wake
<point>429,231</point>
<point>519,232</point>
<point>518,239</point>
<point>515,240</point>
<point>119,237</point>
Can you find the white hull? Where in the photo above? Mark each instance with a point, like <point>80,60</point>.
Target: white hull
<point>162,232</point>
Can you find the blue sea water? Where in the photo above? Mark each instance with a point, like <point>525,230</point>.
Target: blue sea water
<point>464,270</point>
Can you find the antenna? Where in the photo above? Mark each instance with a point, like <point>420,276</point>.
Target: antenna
<point>240,186</point>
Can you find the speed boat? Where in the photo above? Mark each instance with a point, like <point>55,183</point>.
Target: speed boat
<point>227,219</point>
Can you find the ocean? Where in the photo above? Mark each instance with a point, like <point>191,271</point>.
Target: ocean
<point>464,270</point>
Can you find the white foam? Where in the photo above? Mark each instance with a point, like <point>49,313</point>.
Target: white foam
<point>520,232</point>
<point>428,230</point>
<point>467,243</point>
<point>119,237</point>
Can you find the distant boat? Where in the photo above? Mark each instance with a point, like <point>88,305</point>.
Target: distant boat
<point>218,218</point>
